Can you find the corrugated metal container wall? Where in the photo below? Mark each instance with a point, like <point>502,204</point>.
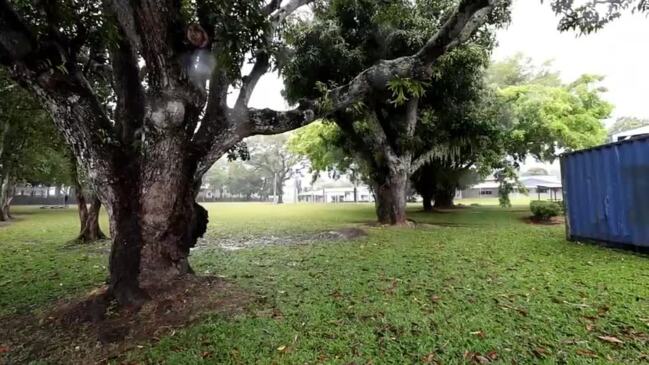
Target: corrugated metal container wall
<point>606,193</point>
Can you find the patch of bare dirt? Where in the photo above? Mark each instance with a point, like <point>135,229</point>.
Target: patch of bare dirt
<point>92,331</point>
<point>409,224</point>
<point>243,242</point>
<point>552,222</point>
<point>418,225</point>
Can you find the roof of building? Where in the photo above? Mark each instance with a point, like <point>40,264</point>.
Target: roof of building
<point>630,133</point>
<point>540,180</point>
<point>530,182</point>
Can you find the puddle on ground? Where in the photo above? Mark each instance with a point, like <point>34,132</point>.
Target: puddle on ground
<point>238,243</point>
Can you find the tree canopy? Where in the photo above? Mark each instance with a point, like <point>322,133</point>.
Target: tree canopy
<point>31,150</point>
<point>545,117</point>
<point>391,135</point>
<point>624,124</point>
<point>592,15</point>
<point>548,120</point>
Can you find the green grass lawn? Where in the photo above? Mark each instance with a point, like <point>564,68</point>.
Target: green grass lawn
<point>475,284</point>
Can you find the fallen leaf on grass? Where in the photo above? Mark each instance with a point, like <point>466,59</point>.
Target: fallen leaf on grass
<point>590,327</point>
<point>478,333</point>
<point>586,353</point>
<point>492,355</point>
<point>573,341</point>
<point>610,339</point>
<point>435,298</point>
<point>477,358</point>
<point>540,352</point>
<point>429,359</point>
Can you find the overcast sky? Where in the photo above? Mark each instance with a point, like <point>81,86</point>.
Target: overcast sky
<point>619,52</point>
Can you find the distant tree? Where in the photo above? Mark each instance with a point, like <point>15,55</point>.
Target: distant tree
<point>320,143</point>
<point>521,70</point>
<point>89,231</point>
<point>244,180</point>
<point>473,131</point>
<point>545,117</point>
<point>624,124</point>
<point>31,150</point>
<point>592,15</point>
<point>552,119</point>
<point>271,156</point>
<point>217,177</point>
<point>437,182</point>
<point>383,133</point>
<point>536,171</point>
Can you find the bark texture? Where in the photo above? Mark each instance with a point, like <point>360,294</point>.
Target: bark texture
<point>6,188</point>
<point>82,207</point>
<point>390,200</point>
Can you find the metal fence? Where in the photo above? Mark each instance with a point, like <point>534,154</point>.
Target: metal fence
<point>606,193</point>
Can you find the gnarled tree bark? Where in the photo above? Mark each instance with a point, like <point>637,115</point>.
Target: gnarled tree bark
<point>391,199</point>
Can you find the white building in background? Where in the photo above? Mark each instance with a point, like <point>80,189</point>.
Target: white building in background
<point>335,191</point>
<point>632,133</point>
<point>538,187</point>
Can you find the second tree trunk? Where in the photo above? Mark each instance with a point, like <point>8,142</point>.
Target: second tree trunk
<point>391,199</point>
<point>444,198</point>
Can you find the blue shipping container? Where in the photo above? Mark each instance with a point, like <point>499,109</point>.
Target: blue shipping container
<point>606,193</point>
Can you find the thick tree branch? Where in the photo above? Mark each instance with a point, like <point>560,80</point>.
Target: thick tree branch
<point>271,7</point>
<point>129,111</point>
<point>279,15</point>
<point>249,82</point>
<point>242,122</point>
<point>16,39</point>
<point>267,121</point>
<point>153,28</point>
<point>470,15</point>
<point>66,94</point>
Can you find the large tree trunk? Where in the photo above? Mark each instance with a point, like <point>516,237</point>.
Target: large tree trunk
<point>427,201</point>
<point>425,182</point>
<point>444,198</point>
<point>280,191</point>
<point>390,199</point>
<point>90,230</point>
<point>154,222</point>
<point>82,206</point>
<point>5,198</point>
